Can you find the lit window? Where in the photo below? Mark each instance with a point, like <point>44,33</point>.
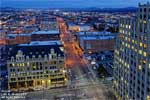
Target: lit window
<point>121,78</point>
<point>17,64</point>
<point>13,64</point>
<point>43,81</point>
<point>49,81</point>
<point>128,65</point>
<point>129,27</point>
<point>145,46</point>
<point>140,67</point>
<point>140,51</point>
<point>132,41</point>
<point>125,81</point>
<point>140,44</point>
<point>34,67</point>
<point>127,96</point>
<point>44,71</point>
<point>28,63</point>
<point>116,83</point>
<point>120,60</point>
<point>120,24</point>
<point>20,64</point>
<point>61,48</point>
<point>128,45</point>
<point>144,53</point>
<point>125,64</point>
<point>135,42</point>
<point>23,64</point>
<point>144,62</point>
<point>120,31</point>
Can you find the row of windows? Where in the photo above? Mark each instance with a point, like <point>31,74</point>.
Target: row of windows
<point>33,68</point>
<point>35,73</point>
<point>35,77</point>
<point>125,26</point>
<point>129,40</point>
<point>144,9</point>
<point>35,63</point>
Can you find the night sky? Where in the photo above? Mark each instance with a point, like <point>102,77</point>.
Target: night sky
<point>70,3</point>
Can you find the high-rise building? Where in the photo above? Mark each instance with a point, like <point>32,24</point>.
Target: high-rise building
<point>36,65</point>
<point>132,57</point>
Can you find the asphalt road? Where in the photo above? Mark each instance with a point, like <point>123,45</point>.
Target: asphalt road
<point>81,73</point>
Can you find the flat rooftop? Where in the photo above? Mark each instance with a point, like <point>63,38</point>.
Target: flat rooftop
<point>95,33</point>
<point>97,37</point>
<point>39,43</point>
<point>47,32</point>
<point>14,35</point>
<point>37,32</point>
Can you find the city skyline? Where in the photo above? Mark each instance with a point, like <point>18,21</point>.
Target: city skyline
<point>75,49</point>
<point>70,3</point>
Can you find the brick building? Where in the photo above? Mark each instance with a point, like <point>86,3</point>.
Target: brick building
<point>96,41</point>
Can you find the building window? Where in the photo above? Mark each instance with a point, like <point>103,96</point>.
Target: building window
<point>140,51</point>
<point>144,62</point>
<point>34,67</point>
<point>13,79</point>
<point>145,54</point>
<point>141,44</point>
<point>28,64</point>
<point>144,46</point>
<point>129,26</point>
<point>140,67</point>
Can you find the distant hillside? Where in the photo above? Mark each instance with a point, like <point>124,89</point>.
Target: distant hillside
<point>128,9</point>
<point>91,9</point>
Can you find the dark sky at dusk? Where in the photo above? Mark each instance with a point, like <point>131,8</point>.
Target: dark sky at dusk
<point>70,3</point>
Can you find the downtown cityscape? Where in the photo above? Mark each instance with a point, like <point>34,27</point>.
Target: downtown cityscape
<point>74,52</point>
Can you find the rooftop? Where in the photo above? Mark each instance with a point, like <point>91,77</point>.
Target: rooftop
<point>35,48</point>
<point>47,32</point>
<point>95,33</point>
<point>39,43</point>
<point>97,37</point>
<point>14,35</point>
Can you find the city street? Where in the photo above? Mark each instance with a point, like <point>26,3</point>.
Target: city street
<point>81,74</point>
<point>82,83</point>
